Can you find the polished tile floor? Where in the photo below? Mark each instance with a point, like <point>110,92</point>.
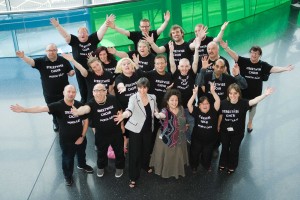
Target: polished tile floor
<point>30,157</point>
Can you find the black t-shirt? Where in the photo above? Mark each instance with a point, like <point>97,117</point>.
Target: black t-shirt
<point>92,79</point>
<point>102,116</point>
<point>203,46</point>
<point>180,51</point>
<point>253,73</point>
<point>80,50</point>
<point>210,68</point>
<point>202,49</point>
<point>131,88</point>
<point>221,85</point>
<point>158,84</point>
<point>234,115</point>
<point>111,67</point>
<point>185,84</point>
<point>145,63</point>
<point>70,127</point>
<point>206,123</point>
<point>54,75</point>
<point>136,36</point>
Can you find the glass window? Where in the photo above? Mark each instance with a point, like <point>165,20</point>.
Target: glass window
<point>6,41</point>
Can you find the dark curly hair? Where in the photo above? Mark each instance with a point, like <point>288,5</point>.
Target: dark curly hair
<point>110,57</point>
<point>169,93</point>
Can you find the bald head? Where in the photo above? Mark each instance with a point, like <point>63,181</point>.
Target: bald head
<point>69,93</point>
<point>51,51</point>
<point>213,50</point>
<point>70,87</point>
<point>99,86</point>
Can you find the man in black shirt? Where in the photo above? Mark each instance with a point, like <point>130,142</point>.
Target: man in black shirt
<point>136,36</point>
<point>102,109</point>
<point>253,69</point>
<point>54,71</point>
<point>71,133</point>
<point>82,45</point>
<point>181,48</point>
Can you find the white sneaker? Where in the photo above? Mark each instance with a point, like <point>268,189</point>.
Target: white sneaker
<point>100,172</point>
<point>296,5</point>
<point>119,173</point>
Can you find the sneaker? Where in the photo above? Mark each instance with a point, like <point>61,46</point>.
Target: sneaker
<point>100,172</point>
<point>296,5</point>
<point>55,127</point>
<point>69,181</point>
<point>119,173</point>
<point>86,168</point>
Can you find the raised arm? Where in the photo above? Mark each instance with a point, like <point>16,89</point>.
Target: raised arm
<point>192,99</point>
<point>165,24</point>
<point>112,25</point>
<point>61,30</point>
<point>36,109</point>
<point>256,100</point>
<point>216,96</point>
<point>202,34</point>
<point>103,28</point>
<point>71,59</point>
<point>120,54</point>
<point>240,80</point>
<point>230,52</point>
<point>277,69</point>
<point>221,33</point>
<point>25,58</point>
<point>196,55</point>
<point>200,76</point>
<point>171,57</point>
<point>155,48</point>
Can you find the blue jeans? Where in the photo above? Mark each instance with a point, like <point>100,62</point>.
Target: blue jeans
<point>191,121</point>
<point>68,153</point>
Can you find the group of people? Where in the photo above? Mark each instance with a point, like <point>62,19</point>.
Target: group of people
<point>152,104</point>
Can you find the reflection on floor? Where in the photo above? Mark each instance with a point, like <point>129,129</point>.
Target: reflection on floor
<point>268,169</point>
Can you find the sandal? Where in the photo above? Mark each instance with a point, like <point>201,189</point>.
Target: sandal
<point>230,171</point>
<point>132,184</point>
<point>221,168</point>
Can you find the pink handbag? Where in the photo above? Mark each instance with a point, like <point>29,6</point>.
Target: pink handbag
<point>110,153</point>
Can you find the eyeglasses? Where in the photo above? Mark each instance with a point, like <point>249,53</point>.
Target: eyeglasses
<point>51,50</point>
<point>144,26</point>
<point>102,90</point>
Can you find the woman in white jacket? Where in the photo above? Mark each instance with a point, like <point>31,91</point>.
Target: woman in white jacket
<point>140,111</point>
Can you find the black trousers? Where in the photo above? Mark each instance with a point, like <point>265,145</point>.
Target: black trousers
<point>82,86</point>
<point>202,146</point>
<point>140,146</point>
<point>117,143</point>
<point>69,150</point>
<point>231,142</point>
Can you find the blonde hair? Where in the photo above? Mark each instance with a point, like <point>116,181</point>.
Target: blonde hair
<point>119,65</point>
<point>91,60</point>
<point>145,43</point>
